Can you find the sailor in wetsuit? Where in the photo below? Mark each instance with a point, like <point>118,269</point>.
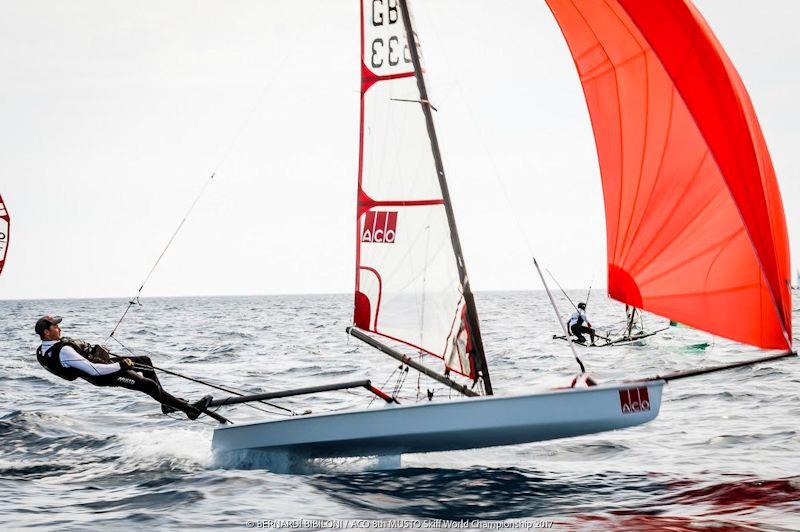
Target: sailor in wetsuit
<point>576,324</point>
<point>69,359</point>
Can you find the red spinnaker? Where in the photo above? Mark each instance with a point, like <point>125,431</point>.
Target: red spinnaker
<point>695,224</point>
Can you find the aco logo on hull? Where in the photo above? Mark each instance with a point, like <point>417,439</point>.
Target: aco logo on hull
<point>634,400</point>
<point>380,227</point>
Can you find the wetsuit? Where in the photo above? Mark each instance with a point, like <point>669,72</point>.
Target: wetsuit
<point>577,327</point>
<point>63,359</point>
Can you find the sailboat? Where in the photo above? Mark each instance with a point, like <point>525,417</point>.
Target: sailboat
<point>5,233</point>
<point>633,332</point>
<point>707,232</point>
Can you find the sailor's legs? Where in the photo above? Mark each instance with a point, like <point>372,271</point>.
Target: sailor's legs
<point>141,361</point>
<point>580,330</point>
<point>145,361</point>
<point>134,381</point>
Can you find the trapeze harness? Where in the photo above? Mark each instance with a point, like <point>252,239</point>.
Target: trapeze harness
<point>577,319</point>
<point>50,359</point>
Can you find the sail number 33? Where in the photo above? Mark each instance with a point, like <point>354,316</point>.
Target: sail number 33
<point>390,49</point>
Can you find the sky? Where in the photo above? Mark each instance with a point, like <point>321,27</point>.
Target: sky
<point>113,115</point>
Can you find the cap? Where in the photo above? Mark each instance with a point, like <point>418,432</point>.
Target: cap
<point>44,322</point>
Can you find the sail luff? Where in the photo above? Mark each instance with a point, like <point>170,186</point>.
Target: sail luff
<point>472,312</point>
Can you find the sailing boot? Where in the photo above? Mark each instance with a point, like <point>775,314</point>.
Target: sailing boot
<point>166,409</point>
<point>198,407</point>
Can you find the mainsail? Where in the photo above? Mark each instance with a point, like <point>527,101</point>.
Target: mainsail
<point>411,284</point>
<point>5,231</point>
<point>694,220</point>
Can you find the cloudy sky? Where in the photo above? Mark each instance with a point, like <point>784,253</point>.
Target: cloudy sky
<point>114,114</point>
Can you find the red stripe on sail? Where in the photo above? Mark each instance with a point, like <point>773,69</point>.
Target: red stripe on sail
<point>365,203</point>
<point>360,310</point>
<point>410,344</point>
<point>369,78</point>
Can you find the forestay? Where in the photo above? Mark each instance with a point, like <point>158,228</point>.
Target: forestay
<point>694,220</point>
<point>409,284</point>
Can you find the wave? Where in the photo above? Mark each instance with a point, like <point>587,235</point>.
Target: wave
<point>486,493</point>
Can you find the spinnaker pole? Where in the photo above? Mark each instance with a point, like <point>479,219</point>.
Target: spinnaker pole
<point>479,360</point>
<point>713,369</point>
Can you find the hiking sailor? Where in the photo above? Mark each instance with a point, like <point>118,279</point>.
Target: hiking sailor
<point>577,327</point>
<point>70,358</point>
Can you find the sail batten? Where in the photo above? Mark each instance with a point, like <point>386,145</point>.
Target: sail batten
<point>411,285</point>
<point>694,221</point>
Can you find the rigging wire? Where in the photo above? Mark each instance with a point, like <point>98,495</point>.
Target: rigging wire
<point>562,290</point>
<point>589,292</point>
<point>135,299</point>
<point>558,317</point>
<point>492,163</point>
<point>383,386</point>
<point>223,158</point>
<point>205,383</point>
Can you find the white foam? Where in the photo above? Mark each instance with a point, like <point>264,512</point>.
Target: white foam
<point>284,462</point>
<point>186,445</point>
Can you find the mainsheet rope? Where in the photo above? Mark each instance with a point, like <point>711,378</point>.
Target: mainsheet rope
<point>139,365</point>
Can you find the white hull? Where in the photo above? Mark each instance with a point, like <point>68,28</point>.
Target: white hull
<point>451,425</point>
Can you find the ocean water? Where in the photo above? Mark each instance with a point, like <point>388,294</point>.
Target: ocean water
<point>723,454</point>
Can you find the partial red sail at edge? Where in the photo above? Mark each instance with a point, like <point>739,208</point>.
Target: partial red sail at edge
<point>5,232</point>
<point>694,219</point>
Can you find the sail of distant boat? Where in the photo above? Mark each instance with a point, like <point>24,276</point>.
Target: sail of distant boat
<point>411,283</point>
<point>5,232</point>
<point>694,220</point>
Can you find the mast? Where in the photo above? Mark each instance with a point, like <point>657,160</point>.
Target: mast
<point>472,312</point>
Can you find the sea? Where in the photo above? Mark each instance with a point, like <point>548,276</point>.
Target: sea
<point>724,453</point>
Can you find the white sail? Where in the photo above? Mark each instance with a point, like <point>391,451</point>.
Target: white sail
<point>408,286</point>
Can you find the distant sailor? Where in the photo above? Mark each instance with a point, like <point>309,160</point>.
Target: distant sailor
<point>579,324</point>
<point>69,359</point>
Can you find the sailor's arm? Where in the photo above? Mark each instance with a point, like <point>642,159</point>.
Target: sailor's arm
<point>70,358</point>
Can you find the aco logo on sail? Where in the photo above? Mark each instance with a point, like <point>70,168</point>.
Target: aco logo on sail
<point>634,400</point>
<point>380,227</point>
